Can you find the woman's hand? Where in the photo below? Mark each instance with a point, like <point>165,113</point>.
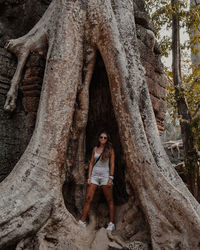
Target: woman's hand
<point>109,182</point>
<point>88,181</point>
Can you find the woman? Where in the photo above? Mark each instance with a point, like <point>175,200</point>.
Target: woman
<point>101,173</point>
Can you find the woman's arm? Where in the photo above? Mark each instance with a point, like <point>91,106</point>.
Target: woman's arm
<point>112,167</point>
<point>91,166</point>
<point>112,163</point>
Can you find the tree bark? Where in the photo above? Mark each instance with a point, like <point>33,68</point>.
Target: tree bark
<point>190,153</point>
<point>195,57</point>
<point>196,61</point>
<point>32,211</point>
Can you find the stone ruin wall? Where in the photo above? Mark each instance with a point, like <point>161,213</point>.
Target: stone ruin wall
<point>16,19</point>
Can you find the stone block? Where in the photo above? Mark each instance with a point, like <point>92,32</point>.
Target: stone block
<point>30,87</point>
<point>33,93</point>
<point>155,89</point>
<point>34,71</point>
<point>151,73</point>
<point>30,103</point>
<point>32,80</point>
<point>149,56</point>
<point>159,107</point>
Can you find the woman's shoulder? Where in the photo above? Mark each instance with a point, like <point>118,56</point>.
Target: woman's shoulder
<point>94,149</point>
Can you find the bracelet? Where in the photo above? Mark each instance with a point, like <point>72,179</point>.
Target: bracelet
<point>111,177</point>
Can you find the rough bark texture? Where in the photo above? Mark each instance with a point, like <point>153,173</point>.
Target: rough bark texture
<point>16,19</point>
<point>195,57</point>
<point>32,193</point>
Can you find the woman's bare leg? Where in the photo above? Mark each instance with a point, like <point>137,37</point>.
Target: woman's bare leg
<point>88,199</point>
<point>108,192</point>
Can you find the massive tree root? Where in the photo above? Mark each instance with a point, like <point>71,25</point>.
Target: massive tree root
<point>32,211</point>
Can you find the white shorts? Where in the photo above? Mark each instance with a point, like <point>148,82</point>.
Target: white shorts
<point>99,180</point>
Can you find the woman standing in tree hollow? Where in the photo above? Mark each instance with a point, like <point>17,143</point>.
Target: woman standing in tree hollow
<point>101,173</point>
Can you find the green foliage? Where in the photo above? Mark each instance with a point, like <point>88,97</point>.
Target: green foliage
<point>188,18</point>
<point>193,27</point>
<point>160,13</point>
<point>191,92</point>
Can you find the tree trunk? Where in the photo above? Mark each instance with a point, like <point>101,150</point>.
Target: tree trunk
<point>196,61</point>
<point>32,211</point>
<point>195,57</point>
<point>190,153</point>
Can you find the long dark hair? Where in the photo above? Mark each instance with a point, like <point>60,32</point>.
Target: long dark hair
<point>108,146</point>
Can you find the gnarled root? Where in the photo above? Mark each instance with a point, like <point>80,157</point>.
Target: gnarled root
<point>34,40</point>
<point>59,232</point>
<point>21,48</point>
<point>32,187</point>
<point>144,153</point>
<point>75,154</point>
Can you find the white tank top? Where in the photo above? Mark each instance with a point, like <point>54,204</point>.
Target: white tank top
<point>100,169</point>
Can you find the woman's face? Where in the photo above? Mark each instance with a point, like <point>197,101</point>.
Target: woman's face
<point>103,138</point>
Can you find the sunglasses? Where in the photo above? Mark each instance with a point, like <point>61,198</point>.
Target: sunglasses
<point>103,137</point>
